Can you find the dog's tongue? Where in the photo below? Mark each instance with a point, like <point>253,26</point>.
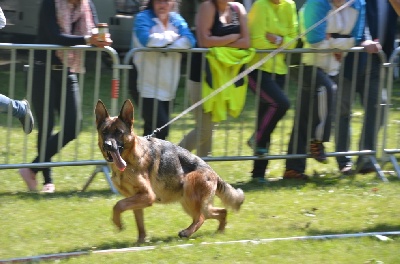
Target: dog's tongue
<point>118,161</point>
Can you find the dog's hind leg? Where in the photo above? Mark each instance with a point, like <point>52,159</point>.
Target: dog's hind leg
<point>192,207</point>
<point>219,214</point>
<point>140,225</point>
<point>207,212</point>
<point>198,192</point>
<point>196,224</point>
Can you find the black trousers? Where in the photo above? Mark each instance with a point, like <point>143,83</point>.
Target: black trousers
<point>46,109</point>
<point>150,105</point>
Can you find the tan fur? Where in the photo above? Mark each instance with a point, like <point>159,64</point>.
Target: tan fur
<point>159,171</point>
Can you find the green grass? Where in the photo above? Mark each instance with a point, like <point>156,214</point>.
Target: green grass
<point>69,220</point>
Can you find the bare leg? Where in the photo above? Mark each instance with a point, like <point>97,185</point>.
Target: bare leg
<point>29,177</point>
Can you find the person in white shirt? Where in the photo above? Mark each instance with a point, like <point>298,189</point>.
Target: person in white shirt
<point>159,72</point>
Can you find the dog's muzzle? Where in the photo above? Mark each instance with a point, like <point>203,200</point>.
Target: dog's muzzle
<point>111,146</point>
<point>114,153</point>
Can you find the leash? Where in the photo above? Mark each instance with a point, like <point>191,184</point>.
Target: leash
<point>250,69</point>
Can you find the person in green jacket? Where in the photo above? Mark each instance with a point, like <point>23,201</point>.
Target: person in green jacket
<point>272,23</point>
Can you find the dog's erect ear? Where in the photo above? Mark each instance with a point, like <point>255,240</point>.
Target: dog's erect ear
<point>100,112</point>
<point>126,114</point>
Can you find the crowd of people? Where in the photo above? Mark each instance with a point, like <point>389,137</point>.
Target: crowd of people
<point>232,35</point>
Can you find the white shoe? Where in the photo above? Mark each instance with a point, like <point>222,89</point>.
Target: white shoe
<point>48,188</point>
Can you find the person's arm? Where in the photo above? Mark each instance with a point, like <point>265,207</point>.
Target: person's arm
<point>142,29</point>
<point>313,12</point>
<point>142,26</point>
<point>244,41</point>
<point>186,39</point>
<point>93,38</point>
<point>371,46</point>
<point>261,38</point>
<point>293,31</point>
<point>396,6</point>
<point>2,19</point>
<point>52,30</point>
<point>204,23</point>
<point>94,12</point>
<point>358,30</point>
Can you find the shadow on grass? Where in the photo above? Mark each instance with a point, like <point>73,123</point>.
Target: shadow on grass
<point>152,242</point>
<point>317,180</point>
<point>371,229</point>
<point>171,240</point>
<point>62,194</point>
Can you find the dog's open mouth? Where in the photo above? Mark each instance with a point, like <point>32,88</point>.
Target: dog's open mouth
<point>114,156</point>
<point>118,161</point>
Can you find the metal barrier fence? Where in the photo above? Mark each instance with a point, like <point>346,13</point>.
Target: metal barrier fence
<point>96,82</point>
<point>229,137</point>
<point>391,149</point>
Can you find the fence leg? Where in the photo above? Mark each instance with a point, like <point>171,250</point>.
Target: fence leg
<point>374,161</point>
<point>378,169</point>
<point>106,171</point>
<point>396,166</point>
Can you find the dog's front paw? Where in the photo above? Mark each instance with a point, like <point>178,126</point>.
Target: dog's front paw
<point>117,222</point>
<point>183,233</point>
<point>141,240</point>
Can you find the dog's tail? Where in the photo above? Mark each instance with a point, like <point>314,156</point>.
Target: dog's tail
<point>229,196</point>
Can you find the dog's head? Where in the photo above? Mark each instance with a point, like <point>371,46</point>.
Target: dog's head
<point>115,134</point>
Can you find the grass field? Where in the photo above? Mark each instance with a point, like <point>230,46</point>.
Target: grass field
<point>71,221</point>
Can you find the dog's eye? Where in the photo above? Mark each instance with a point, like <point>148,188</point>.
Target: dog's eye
<point>118,132</point>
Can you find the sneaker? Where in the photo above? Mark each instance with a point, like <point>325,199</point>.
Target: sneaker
<point>28,125</point>
<point>252,141</point>
<point>261,151</point>
<point>48,188</point>
<point>317,151</point>
<point>261,180</point>
<point>292,174</point>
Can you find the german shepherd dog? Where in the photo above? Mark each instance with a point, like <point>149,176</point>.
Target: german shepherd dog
<point>148,170</point>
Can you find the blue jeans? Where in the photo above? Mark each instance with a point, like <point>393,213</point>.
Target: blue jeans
<point>18,108</point>
<point>369,96</point>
